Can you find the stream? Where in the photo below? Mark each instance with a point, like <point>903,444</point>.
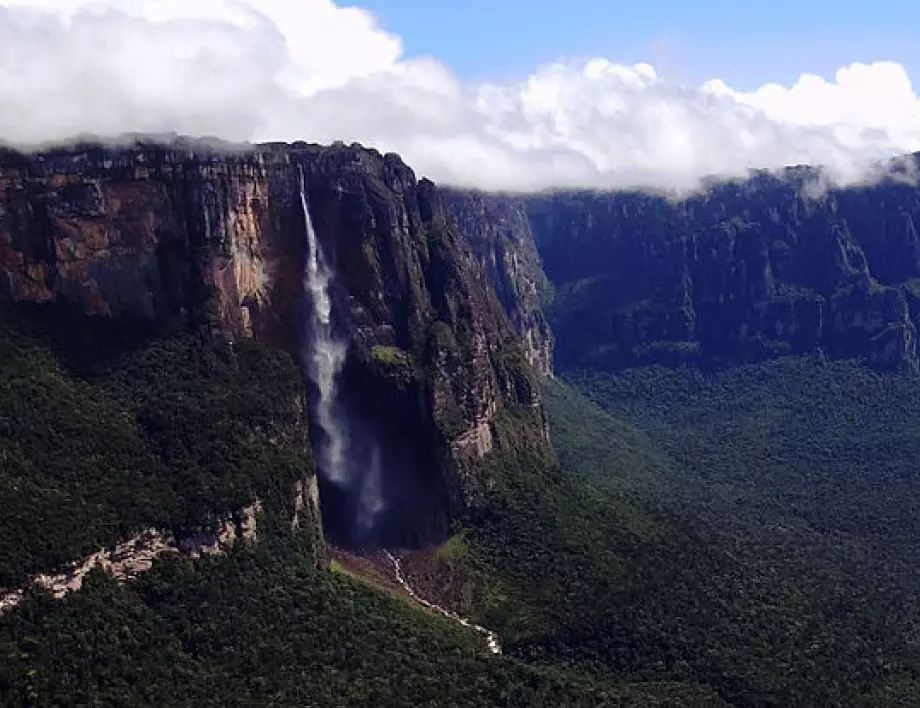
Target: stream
<point>494,644</point>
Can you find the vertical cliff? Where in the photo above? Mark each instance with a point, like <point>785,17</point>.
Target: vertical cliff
<point>433,356</point>
<point>741,271</point>
<point>149,231</point>
<point>499,231</point>
<point>184,234</point>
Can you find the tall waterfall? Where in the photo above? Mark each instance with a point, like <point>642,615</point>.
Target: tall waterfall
<point>325,355</point>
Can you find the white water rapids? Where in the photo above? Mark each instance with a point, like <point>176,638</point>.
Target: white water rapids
<point>326,353</point>
<point>491,637</point>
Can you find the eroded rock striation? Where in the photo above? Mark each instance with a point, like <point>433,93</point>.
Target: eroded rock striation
<point>499,231</point>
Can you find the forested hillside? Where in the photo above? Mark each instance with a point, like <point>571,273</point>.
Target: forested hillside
<point>626,563</point>
<point>264,627</point>
<point>745,538</point>
<point>107,428</point>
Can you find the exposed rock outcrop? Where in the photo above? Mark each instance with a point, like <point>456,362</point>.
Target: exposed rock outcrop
<point>135,556</point>
<point>306,504</point>
<point>499,231</point>
<point>241,527</point>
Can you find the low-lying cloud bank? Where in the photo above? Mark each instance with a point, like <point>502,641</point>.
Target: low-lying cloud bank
<point>311,69</point>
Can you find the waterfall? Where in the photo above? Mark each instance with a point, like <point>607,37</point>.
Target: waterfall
<point>325,355</point>
<point>348,453</point>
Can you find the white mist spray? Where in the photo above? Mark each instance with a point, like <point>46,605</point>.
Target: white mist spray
<point>326,355</point>
<point>370,501</point>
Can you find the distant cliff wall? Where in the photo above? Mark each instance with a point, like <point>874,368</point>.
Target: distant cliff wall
<point>744,271</point>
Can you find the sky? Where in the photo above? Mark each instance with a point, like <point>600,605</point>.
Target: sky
<point>502,95</point>
<point>746,44</point>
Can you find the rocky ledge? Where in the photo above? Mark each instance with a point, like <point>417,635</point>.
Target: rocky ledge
<point>135,556</point>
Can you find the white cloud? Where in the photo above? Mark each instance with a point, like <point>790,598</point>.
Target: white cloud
<point>314,70</point>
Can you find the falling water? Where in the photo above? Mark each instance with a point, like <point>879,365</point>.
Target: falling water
<point>370,501</point>
<point>326,354</point>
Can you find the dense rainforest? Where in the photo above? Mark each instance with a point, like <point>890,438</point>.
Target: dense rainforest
<point>750,530</point>
<point>110,428</point>
<point>727,516</point>
<point>737,538</point>
<point>656,564</point>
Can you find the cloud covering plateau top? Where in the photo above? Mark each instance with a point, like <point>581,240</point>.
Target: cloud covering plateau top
<point>311,69</point>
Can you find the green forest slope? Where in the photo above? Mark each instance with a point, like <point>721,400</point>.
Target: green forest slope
<point>678,541</point>
<point>105,429</point>
<point>744,538</point>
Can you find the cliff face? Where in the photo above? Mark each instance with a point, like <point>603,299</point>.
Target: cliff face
<point>185,234</point>
<point>433,355</point>
<point>148,232</point>
<point>499,231</point>
<point>743,271</point>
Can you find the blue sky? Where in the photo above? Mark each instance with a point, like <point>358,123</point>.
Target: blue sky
<point>745,43</point>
